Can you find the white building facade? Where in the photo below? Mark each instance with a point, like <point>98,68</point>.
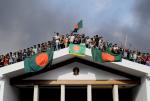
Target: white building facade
<point>72,78</point>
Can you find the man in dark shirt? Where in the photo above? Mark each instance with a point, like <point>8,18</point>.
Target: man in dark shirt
<point>28,52</point>
<point>20,55</point>
<point>1,61</point>
<point>96,40</point>
<point>24,54</point>
<point>53,43</point>
<point>76,41</point>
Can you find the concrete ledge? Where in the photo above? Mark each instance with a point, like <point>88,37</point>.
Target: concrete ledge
<point>63,54</point>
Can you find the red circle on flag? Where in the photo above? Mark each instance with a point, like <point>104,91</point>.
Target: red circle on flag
<point>76,48</point>
<point>108,57</point>
<point>42,59</point>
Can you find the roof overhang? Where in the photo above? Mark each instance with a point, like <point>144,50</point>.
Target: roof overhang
<point>125,66</point>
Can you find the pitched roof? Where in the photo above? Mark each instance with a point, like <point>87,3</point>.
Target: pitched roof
<point>125,66</point>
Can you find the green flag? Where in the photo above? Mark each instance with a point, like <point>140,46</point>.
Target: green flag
<point>77,49</point>
<point>107,56</point>
<point>78,26</point>
<point>38,61</point>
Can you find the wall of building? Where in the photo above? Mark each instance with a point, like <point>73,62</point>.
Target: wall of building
<point>1,89</point>
<point>141,93</point>
<point>85,73</point>
<point>148,87</point>
<point>10,93</point>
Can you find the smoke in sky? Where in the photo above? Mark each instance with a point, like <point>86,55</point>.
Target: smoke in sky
<point>24,23</point>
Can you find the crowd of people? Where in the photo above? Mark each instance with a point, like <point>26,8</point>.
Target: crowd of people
<point>63,41</point>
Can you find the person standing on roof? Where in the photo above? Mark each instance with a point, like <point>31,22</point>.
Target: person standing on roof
<point>57,40</point>
<point>71,38</point>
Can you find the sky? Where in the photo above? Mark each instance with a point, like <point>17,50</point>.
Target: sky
<point>24,23</point>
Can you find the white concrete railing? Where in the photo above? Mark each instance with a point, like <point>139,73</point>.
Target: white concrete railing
<point>20,65</point>
<point>64,52</point>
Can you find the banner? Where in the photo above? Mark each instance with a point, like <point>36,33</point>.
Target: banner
<point>99,56</point>
<point>38,61</point>
<point>77,49</point>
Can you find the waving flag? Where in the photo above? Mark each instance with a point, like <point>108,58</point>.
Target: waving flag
<point>100,56</point>
<point>38,61</point>
<point>77,49</point>
<point>78,26</point>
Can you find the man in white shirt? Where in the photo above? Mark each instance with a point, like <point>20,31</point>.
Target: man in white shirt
<point>57,40</point>
<point>35,49</point>
<point>72,37</point>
